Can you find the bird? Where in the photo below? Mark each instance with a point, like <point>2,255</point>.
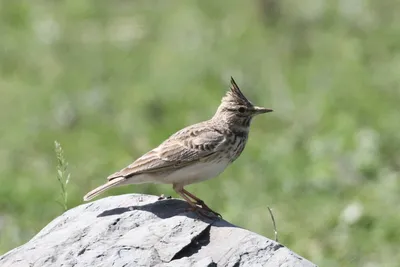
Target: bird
<point>193,154</point>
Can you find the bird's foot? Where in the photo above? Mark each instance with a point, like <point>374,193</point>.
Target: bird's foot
<point>202,213</point>
<point>206,208</point>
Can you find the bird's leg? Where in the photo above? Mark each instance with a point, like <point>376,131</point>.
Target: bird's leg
<point>192,204</point>
<point>200,202</point>
<point>179,190</point>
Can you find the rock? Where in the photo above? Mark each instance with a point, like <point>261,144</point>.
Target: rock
<point>138,230</point>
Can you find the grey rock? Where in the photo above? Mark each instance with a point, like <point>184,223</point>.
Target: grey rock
<point>139,230</point>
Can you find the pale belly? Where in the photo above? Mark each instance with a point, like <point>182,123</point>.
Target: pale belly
<point>188,175</point>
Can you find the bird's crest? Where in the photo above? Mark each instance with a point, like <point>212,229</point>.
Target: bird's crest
<point>235,95</point>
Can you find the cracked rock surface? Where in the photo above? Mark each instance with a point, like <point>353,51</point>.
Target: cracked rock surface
<point>138,230</point>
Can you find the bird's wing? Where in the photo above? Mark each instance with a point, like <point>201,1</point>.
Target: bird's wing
<point>184,147</point>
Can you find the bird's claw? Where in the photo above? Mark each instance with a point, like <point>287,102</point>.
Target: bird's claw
<point>203,213</point>
<point>215,213</point>
<point>206,208</point>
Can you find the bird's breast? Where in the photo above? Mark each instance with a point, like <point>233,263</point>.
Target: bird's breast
<point>236,147</point>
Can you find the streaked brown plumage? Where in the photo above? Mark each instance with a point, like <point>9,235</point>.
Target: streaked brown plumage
<point>195,153</point>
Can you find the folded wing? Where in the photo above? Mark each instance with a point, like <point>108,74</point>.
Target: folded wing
<point>183,148</point>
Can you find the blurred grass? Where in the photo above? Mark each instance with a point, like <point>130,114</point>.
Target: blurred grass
<point>110,80</point>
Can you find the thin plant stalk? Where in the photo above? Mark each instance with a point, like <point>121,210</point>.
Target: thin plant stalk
<point>63,176</point>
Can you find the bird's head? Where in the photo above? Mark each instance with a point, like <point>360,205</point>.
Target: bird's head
<point>237,108</point>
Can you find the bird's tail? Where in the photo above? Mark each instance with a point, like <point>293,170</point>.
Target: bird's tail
<point>97,191</point>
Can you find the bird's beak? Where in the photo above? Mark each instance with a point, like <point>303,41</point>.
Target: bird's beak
<point>261,110</point>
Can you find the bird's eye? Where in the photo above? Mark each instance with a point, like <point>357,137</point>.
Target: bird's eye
<point>241,109</point>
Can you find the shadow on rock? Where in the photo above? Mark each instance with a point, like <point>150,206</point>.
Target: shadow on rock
<point>166,209</point>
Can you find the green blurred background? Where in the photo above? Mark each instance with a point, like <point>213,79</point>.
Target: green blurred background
<point>112,79</point>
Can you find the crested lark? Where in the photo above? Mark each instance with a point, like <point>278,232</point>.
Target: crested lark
<point>195,153</point>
